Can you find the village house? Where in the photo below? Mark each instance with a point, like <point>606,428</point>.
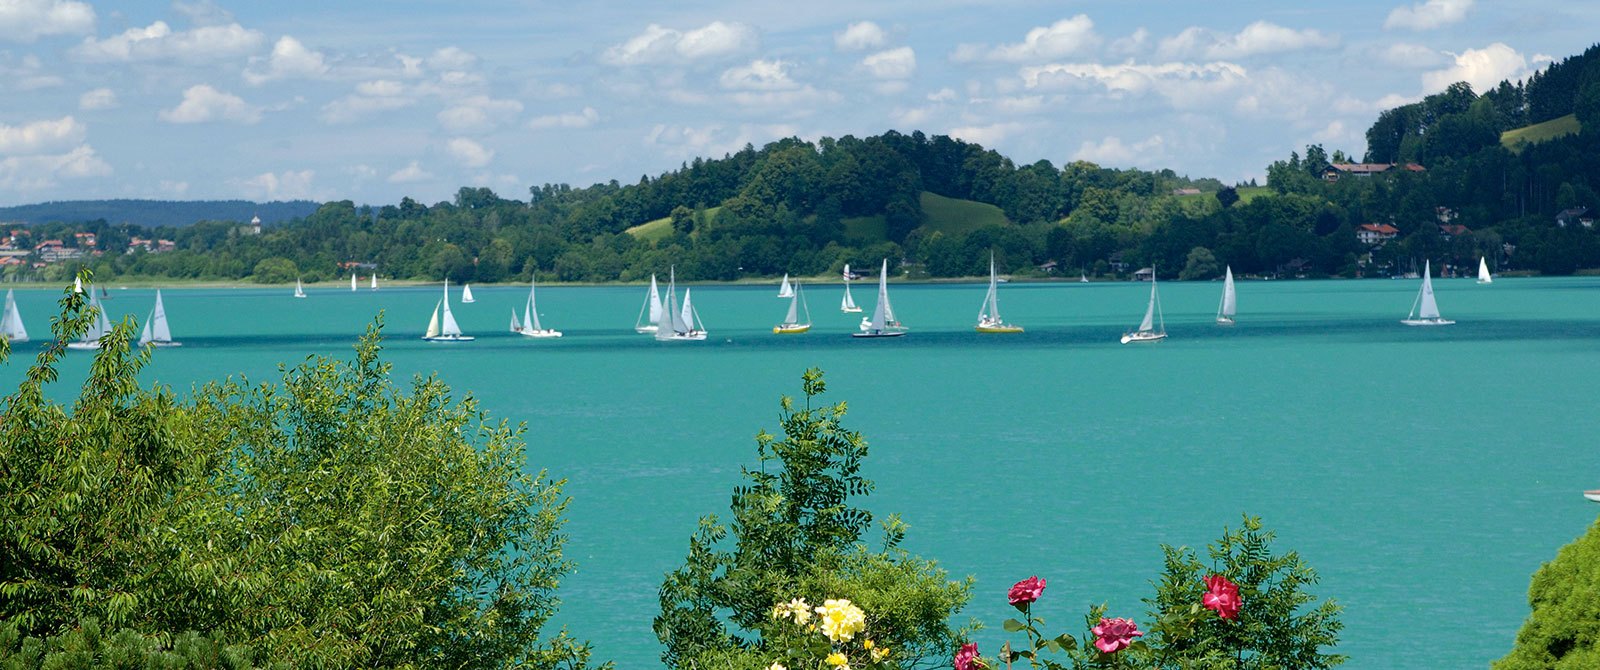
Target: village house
<point>1365,170</point>
<point>1186,191</point>
<point>1450,231</point>
<point>1049,268</point>
<point>1376,234</point>
<point>1578,215</point>
<point>52,251</point>
<point>85,240</point>
<point>1144,274</point>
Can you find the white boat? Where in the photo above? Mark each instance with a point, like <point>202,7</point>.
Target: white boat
<point>466,293</point>
<point>791,321</point>
<point>651,309</point>
<point>1154,326</point>
<point>1424,311</point>
<point>882,323</point>
<point>156,332</point>
<point>678,325</point>
<point>374,280</point>
<point>1083,278</point>
<point>77,284</point>
<point>1483,272</point>
<point>442,327</point>
<point>1592,495</point>
<point>785,291</point>
<point>530,317</point>
<point>516,326</point>
<point>299,289</point>
<point>1227,307</point>
<point>989,320</point>
<point>11,323</point>
<point>352,281</point>
<point>97,328</point>
<point>848,305</point>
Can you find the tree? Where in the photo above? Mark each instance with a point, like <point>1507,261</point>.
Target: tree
<point>1560,631</point>
<point>1227,195</point>
<point>1587,105</point>
<point>683,219</point>
<point>276,270</point>
<point>1199,265</point>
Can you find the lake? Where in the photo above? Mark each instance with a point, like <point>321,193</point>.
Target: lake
<point>1424,472</point>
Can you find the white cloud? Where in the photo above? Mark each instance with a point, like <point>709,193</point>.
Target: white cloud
<point>1131,77</point>
<point>657,44</point>
<point>27,75</point>
<point>41,136</point>
<point>583,119</point>
<point>712,140</point>
<point>202,103</point>
<point>100,98</point>
<point>159,42</point>
<point>989,135</point>
<point>287,185</point>
<point>410,174</point>
<point>371,96</point>
<point>1337,135</point>
<point>1428,15</point>
<point>1112,151</point>
<point>860,36</point>
<point>1403,54</point>
<point>27,173</point>
<point>478,114</point>
<point>1482,68</point>
<point>469,153</point>
<point>203,12</point>
<point>1063,38</point>
<point>942,95</point>
<point>759,75</point>
<point>451,58</point>
<point>1131,45</point>
<point>898,63</point>
<point>289,59</point>
<point>177,188</point>
<point>1257,38</point>
<point>28,20</point>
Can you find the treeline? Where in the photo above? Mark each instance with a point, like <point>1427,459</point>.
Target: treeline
<point>157,213</point>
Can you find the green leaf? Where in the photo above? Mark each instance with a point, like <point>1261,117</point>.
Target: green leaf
<point>1066,641</point>
<point>1012,625</point>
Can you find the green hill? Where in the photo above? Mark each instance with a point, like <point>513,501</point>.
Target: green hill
<point>1540,132</point>
<point>951,216</point>
<point>651,231</point>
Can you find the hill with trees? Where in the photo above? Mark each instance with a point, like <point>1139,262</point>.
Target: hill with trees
<point>157,213</point>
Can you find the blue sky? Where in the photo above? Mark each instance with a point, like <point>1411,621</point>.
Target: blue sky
<point>374,101</point>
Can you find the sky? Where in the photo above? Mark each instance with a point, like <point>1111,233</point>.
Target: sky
<point>372,101</point>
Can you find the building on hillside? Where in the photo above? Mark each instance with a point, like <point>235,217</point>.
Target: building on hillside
<point>1450,231</point>
<point>52,251</point>
<point>1186,191</point>
<point>1579,215</point>
<point>136,243</point>
<point>85,240</point>
<point>1445,214</point>
<point>1365,170</point>
<point>255,225</point>
<point>165,245</point>
<point>1144,274</point>
<point>1376,234</point>
<point>1049,268</point>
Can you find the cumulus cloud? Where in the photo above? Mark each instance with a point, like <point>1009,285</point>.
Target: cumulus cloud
<point>41,136</point>
<point>27,75</point>
<point>451,58</point>
<point>759,75</point>
<point>369,97</point>
<point>582,119</point>
<point>1482,68</point>
<point>287,185</point>
<point>657,45</point>
<point>1428,15</point>
<point>100,98</point>
<point>898,63</point>
<point>1131,77</point>
<point>28,20</point>
<point>1063,38</point>
<point>1257,38</point>
<point>201,103</point>
<point>469,153</point>
<point>942,95</point>
<point>1402,54</point>
<point>289,59</point>
<point>1112,151</point>
<point>860,36</point>
<point>478,114</point>
<point>160,42</point>
<point>410,174</point>
<point>41,171</point>
<point>989,135</point>
<point>712,139</point>
<point>203,12</point>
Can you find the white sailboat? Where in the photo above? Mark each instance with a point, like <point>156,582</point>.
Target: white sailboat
<point>530,317</point>
<point>156,332</point>
<point>352,281</point>
<point>989,320</point>
<point>1154,326</point>
<point>466,293</point>
<point>785,291</point>
<point>1082,278</point>
<point>651,309</point>
<point>1424,311</point>
<point>1483,272</point>
<point>11,323</point>
<point>97,328</point>
<point>678,325</point>
<point>791,321</point>
<point>374,280</point>
<point>848,305</point>
<point>299,289</point>
<point>77,284</point>
<point>1229,304</point>
<point>516,326</point>
<point>442,327</point>
<point>882,323</point>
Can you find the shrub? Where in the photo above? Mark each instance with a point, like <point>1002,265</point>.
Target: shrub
<point>1563,631</point>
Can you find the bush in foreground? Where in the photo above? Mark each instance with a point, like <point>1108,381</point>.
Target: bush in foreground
<point>1563,631</point>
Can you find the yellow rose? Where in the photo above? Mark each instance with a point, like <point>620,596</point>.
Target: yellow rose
<point>776,666</point>
<point>838,660</point>
<point>841,620</point>
<point>866,644</point>
<point>879,654</point>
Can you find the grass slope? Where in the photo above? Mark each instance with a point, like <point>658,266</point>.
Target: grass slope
<point>1539,132</point>
<point>651,231</point>
<point>1248,193</point>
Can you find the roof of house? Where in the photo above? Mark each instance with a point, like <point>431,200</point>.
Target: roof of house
<point>1370,168</point>
<point>1380,228</point>
<point>1575,211</point>
<point>1454,229</point>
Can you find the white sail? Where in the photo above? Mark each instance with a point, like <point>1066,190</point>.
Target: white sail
<point>77,284</point>
<point>352,281</point>
<point>1483,271</point>
<point>433,324</point>
<point>1149,321</point>
<point>669,310</point>
<point>11,323</point>
<point>299,289</point>
<point>882,314</point>
<point>849,303</point>
<point>990,311</point>
<point>785,291</point>
<point>155,327</point>
<point>651,308</point>
<point>466,293</point>
<point>516,327</point>
<point>374,280</point>
<point>1429,308</point>
<point>793,316</point>
<point>447,324</point>
<point>530,311</point>
<point>686,318</point>
<point>144,335</point>
<point>654,300</point>
<point>98,326</point>
<point>1229,302</point>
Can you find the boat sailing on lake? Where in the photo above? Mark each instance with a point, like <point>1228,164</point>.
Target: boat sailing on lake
<point>530,317</point>
<point>785,291</point>
<point>1154,326</point>
<point>1227,307</point>
<point>156,332</point>
<point>882,323</point>
<point>299,289</point>
<point>97,328</point>
<point>1483,272</point>
<point>442,327</point>
<point>374,280</point>
<point>11,323</point>
<point>678,325</point>
<point>848,305</point>
<point>989,320</point>
<point>1424,311</point>
<point>650,312</point>
<point>352,281</point>
<point>466,293</point>
<point>791,322</point>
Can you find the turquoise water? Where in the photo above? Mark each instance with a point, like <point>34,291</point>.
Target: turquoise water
<point>1425,472</point>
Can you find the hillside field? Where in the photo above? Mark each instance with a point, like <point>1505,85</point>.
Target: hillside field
<point>1540,132</point>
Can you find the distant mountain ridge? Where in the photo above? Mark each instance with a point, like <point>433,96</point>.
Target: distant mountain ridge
<point>156,213</point>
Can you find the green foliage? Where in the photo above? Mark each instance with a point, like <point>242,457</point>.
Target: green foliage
<point>275,270</point>
<point>1563,630</point>
<point>87,648</point>
<point>795,534</point>
<point>1200,264</point>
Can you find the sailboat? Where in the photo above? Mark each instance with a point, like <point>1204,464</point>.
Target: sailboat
<point>1082,278</point>
<point>11,323</point>
<point>156,333</point>
<point>77,284</point>
<point>848,305</point>
<point>466,293</point>
<point>785,291</point>
<point>516,326</point>
<point>1483,272</point>
<point>791,321</point>
<point>678,325</point>
<point>1154,326</point>
<point>1424,311</point>
<point>650,308</point>
<point>299,289</point>
<point>97,328</point>
<point>352,281</point>
<point>530,317</point>
<point>882,323</point>
<point>445,329</point>
<point>1592,495</point>
<point>989,320</point>
<point>1227,307</point>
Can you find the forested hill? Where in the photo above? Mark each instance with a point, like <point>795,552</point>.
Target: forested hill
<point>156,213</point>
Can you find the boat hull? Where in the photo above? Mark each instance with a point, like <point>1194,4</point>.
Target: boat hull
<point>1485,281</point>
<point>1000,329</point>
<point>450,338</point>
<point>1593,496</point>
<point>164,344</point>
<point>880,333</point>
<point>1134,338</point>
<point>1427,322</point>
<point>1224,320</point>
<point>790,330</point>
<point>84,346</point>
<point>683,337</point>
<point>540,333</point>
<point>642,330</point>
<point>851,311</point>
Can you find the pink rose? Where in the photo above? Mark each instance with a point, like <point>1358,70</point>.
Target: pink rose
<point>1026,591</point>
<point>1114,635</point>
<point>967,657</point>
<point>1221,596</point>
